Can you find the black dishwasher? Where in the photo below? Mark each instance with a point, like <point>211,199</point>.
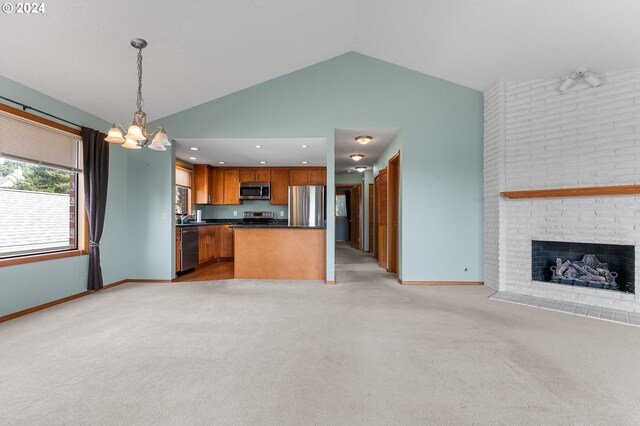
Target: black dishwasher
<point>188,247</point>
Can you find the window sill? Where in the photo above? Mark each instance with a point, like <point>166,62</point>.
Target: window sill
<point>41,257</point>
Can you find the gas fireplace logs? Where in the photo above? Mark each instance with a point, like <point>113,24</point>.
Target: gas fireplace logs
<point>588,272</point>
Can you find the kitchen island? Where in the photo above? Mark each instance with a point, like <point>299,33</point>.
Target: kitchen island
<point>280,252</point>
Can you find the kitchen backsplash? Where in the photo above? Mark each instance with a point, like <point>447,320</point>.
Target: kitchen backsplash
<point>226,212</point>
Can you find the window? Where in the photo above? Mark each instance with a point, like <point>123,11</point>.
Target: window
<point>341,205</point>
<point>40,188</point>
<point>183,190</point>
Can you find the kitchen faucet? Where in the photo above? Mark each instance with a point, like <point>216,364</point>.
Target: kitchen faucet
<point>184,216</point>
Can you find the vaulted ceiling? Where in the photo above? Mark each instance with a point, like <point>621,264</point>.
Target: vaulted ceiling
<point>78,50</point>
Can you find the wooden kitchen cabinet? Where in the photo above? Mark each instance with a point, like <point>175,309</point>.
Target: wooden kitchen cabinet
<point>307,176</point>
<point>255,175</point>
<point>280,187</point>
<point>318,177</point>
<point>231,186</point>
<point>202,180</point>
<point>217,186</point>
<point>225,241</point>
<point>207,243</point>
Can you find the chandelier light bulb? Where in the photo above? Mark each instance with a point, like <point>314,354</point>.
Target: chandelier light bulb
<point>131,144</point>
<point>115,135</point>
<point>134,132</point>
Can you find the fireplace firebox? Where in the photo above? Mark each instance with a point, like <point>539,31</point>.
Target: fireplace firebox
<point>604,266</point>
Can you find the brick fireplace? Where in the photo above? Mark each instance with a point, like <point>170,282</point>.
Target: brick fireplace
<point>537,138</point>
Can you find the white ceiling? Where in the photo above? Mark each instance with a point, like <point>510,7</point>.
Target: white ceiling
<point>346,145</point>
<point>243,152</point>
<point>78,50</point>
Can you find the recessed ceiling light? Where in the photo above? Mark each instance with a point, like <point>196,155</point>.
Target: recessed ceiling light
<point>357,157</point>
<point>193,148</point>
<point>221,162</point>
<point>348,171</point>
<point>263,162</point>
<point>258,146</point>
<point>361,169</point>
<point>363,140</point>
<point>305,162</point>
<point>192,158</point>
<point>305,146</point>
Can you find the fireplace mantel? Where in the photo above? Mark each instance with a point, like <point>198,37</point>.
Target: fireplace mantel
<point>590,191</point>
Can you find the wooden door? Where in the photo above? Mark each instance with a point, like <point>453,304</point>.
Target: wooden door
<point>356,238</point>
<point>374,230</point>
<point>299,177</point>
<point>280,187</point>
<point>217,186</point>
<point>262,175</point>
<point>225,241</point>
<point>393,190</point>
<point>247,175</point>
<point>317,177</point>
<point>231,187</point>
<point>370,219</point>
<point>201,192</point>
<point>382,219</point>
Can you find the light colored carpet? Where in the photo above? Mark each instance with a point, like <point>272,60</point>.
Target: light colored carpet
<point>366,351</point>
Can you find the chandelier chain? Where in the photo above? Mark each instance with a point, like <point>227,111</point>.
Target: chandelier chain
<point>139,101</point>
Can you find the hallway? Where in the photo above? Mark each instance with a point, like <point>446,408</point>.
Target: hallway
<point>355,266</point>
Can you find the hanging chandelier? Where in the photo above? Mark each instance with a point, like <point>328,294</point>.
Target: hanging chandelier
<point>137,136</point>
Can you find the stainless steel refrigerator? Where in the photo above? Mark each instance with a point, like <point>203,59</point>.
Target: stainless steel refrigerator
<point>306,206</point>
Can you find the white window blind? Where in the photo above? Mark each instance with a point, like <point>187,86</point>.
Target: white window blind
<point>183,177</point>
<point>27,140</point>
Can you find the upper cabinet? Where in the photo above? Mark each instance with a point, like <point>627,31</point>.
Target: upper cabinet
<point>280,187</point>
<point>202,180</point>
<point>255,175</point>
<point>219,186</point>
<point>231,186</point>
<point>308,176</point>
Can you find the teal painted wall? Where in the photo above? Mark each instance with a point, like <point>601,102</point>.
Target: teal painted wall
<point>28,285</point>
<point>440,141</point>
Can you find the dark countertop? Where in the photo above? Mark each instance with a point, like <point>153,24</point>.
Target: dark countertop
<point>239,223</point>
<point>276,226</point>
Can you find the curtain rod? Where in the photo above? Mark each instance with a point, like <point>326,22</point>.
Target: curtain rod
<point>26,107</point>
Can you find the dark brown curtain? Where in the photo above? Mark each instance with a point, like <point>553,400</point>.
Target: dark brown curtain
<point>96,176</point>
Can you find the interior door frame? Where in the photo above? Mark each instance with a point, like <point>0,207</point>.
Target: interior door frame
<point>360,210</point>
<point>393,205</point>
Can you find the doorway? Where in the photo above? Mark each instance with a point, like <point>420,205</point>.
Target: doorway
<point>380,183</point>
<point>348,214</point>
<point>393,200</point>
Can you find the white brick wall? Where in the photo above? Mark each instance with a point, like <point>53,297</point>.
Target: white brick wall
<point>548,139</point>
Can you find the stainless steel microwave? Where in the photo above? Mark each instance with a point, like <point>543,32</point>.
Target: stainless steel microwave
<point>255,191</point>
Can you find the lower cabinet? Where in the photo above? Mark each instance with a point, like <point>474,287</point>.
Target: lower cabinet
<point>214,242</point>
<point>225,241</point>
<point>207,243</point>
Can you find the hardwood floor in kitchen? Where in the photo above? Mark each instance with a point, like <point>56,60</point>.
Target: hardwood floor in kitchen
<point>215,271</point>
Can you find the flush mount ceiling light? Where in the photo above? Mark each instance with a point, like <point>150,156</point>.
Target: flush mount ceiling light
<point>221,162</point>
<point>192,158</point>
<point>361,169</point>
<point>258,146</point>
<point>305,146</point>
<point>305,162</point>
<point>363,140</point>
<point>357,157</point>
<point>263,162</point>
<point>579,73</point>
<point>193,148</point>
<point>137,136</point>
